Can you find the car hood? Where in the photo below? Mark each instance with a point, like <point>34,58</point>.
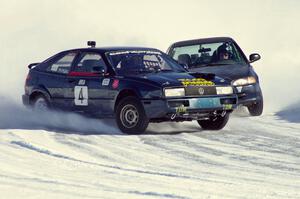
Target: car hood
<point>231,72</point>
<point>170,79</point>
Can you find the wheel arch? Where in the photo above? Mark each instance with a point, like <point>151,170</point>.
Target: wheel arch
<point>39,92</point>
<point>125,93</point>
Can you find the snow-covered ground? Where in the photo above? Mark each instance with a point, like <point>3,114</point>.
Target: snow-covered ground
<point>76,157</point>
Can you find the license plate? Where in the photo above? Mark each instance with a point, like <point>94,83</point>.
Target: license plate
<point>205,103</point>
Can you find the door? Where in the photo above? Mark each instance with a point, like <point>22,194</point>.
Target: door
<point>89,85</point>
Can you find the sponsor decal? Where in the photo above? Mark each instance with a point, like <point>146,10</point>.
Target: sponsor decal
<point>227,106</point>
<point>81,82</point>
<point>105,82</point>
<point>115,84</point>
<point>196,82</point>
<point>134,52</point>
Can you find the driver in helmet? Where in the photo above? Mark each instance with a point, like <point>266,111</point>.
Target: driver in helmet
<point>223,53</point>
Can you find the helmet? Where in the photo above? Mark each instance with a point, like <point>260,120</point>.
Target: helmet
<point>224,50</point>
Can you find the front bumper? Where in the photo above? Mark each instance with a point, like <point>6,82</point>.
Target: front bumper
<point>249,94</point>
<point>189,107</point>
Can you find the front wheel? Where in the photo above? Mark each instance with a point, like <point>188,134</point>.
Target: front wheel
<point>131,117</point>
<point>256,109</point>
<point>214,123</point>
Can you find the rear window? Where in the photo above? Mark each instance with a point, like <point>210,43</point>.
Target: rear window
<point>63,65</point>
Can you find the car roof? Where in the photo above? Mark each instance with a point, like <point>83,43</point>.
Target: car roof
<point>114,48</point>
<point>201,40</point>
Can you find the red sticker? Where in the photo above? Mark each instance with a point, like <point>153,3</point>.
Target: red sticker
<point>115,84</point>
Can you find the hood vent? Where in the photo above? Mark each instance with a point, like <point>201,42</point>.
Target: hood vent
<point>207,76</point>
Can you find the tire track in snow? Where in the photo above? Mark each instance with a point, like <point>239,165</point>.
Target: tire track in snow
<point>49,153</point>
<point>257,160</point>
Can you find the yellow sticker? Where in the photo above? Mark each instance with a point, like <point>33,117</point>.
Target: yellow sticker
<point>196,82</point>
<point>227,106</point>
<point>181,109</point>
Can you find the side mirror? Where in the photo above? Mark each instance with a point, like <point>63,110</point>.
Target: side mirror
<point>254,57</point>
<point>99,69</point>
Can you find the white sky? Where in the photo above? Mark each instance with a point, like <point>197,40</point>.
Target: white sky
<point>33,30</point>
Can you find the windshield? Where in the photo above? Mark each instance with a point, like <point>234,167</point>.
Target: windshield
<point>142,61</point>
<point>208,54</point>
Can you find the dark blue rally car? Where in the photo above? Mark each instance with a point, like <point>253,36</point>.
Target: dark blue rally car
<point>134,85</point>
<point>223,57</point>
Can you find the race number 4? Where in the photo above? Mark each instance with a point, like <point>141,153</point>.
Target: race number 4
<point>81,95</point>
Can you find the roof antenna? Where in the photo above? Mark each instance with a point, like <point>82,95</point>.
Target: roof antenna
<point>92,44</point>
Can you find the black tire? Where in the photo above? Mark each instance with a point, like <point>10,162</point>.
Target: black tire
<point>130,116</point>
<point>256,109</point>
<point>216,123</point>
<point>40,103</point>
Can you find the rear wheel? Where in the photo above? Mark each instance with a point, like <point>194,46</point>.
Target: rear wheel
<point>40,103</point>
<point>131,117</point>
<point>214,123</point>
<point>256,109</point>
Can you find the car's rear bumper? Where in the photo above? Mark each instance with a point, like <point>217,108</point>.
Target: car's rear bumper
<point>249,94</point>
<point>189,107</point>
<point>25,100</point>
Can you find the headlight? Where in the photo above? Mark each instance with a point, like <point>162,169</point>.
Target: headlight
<point>226,90</point>
<point>244,81</point>
<point>174,92</point>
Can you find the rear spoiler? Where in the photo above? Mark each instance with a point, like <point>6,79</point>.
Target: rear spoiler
<point>32,65</point>
<point>203,75</point>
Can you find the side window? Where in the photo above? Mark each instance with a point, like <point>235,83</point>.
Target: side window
<point>62,65</point>
<point>90,62</point>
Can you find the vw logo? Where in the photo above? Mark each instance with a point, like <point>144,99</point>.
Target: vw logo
<point>201,91</point>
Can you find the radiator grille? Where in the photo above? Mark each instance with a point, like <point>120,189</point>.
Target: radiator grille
<point>200,90</point>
